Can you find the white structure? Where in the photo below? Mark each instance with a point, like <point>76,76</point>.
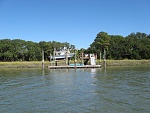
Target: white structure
<point>92,59</point>
<point>61,54</point>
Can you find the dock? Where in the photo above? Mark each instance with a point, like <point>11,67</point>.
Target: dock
<point>73,67</point>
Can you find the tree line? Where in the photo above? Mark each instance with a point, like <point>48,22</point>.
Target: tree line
<point>133,46</point>
<point>21,50</point>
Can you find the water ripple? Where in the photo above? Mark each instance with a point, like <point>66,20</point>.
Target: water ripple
<point>108,90</point>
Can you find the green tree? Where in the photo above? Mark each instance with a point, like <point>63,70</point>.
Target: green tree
<point>101,43</point>
<point>117,49</point>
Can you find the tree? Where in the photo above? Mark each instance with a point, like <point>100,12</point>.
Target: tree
<point>134,46</point>
<point>101,43</point>
<point>117,48</point>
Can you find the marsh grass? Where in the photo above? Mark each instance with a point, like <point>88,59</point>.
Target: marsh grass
<point>31,64</point>
<point>38,64</point>
<point>127,62</point>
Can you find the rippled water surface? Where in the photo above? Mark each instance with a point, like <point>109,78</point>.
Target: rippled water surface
<point>110,90</point>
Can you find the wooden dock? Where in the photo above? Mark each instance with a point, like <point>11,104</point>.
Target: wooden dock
<point>73,67</point>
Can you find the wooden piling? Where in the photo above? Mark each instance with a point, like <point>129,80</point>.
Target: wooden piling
<point>75,60</point>
<point>42,59</point>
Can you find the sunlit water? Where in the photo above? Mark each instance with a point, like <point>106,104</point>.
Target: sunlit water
<point>111,90</point>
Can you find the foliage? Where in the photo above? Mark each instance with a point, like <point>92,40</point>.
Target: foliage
<point>101,42</point>
<point>133,46</point>
<point>21,50</point>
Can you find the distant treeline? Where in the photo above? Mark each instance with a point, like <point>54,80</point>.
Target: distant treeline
<point>21,50</point>
<point>133,46</point>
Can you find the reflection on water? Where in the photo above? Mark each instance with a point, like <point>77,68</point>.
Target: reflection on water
<point>111,90</point>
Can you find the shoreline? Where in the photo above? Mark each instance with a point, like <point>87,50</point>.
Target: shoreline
<point>24,64</point>
<point>38,64</point>
<point>128,62</point>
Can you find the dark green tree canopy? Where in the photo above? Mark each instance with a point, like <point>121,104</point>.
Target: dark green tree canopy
<point>21,50</point>
<point>133,46</point>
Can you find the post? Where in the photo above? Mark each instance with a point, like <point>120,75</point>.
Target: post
<point>104,58</point>
<point>100,58</point>
<point>95,59</point>
<point>75,60</point>
<point>67,58</point>
<point>82,58</point>
<point>42,59</point>
<point>54,56</point>
<point>50,58</point>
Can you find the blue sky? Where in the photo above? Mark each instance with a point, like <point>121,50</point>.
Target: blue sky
<point>74,21</point>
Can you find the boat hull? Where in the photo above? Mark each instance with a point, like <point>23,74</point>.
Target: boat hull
<point>60,57</point>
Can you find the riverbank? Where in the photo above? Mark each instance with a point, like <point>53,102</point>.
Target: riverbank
<point>128,62</point>
<point>38,64</point>
<point>31,64</point>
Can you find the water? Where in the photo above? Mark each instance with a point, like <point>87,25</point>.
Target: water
<point>111,90</point>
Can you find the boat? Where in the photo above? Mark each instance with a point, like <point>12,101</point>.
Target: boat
<point>61,54</point>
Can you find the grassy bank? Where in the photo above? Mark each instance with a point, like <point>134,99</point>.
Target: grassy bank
<point>128,62</point>
<point>32,64</point>
<point>38,64</point>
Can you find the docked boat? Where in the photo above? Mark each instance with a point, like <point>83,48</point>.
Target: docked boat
<point>61,54</point>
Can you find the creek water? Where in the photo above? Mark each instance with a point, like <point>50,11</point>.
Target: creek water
<point>104,90</point>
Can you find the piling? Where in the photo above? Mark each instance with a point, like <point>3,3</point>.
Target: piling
<point>42,59</point>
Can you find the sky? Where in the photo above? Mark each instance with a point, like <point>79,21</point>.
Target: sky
<point>74,21</point>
